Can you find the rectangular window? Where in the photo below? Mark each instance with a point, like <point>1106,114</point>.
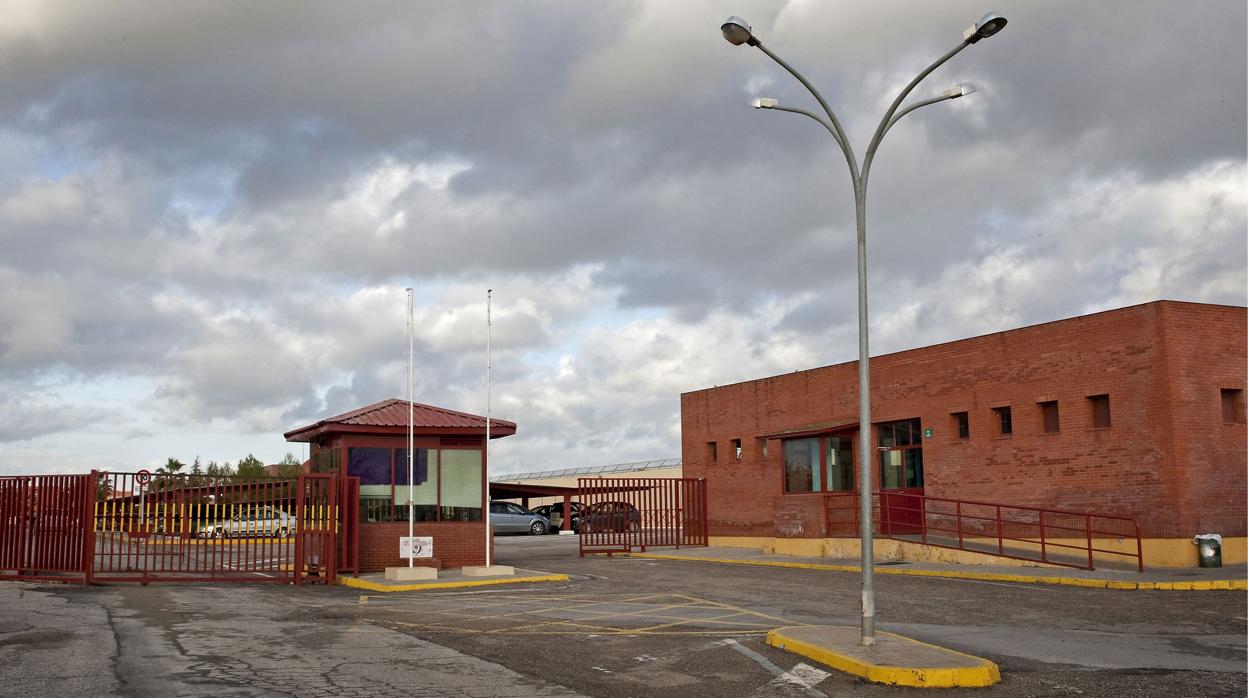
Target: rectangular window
<point>840,464</point>
<point>962,424</point>
<point>1004,420</point>
<point>1100,411</point>
<point>383,483</point>
<point>461,485</point>
<point>712,452</point>
<point>1048,414</point>
<point>901,454</point>
<point>425,490</point>
<point>1232,406</point>
<point>736,448</point>
<point>801,465</point>
<point>762,448</point>
<point>326,461</point>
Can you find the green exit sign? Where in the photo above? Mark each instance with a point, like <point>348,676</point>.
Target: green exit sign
<point>927,433</point>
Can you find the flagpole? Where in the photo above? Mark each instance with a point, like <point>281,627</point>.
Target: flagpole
<point>411,418</point>
<point>488,367</point>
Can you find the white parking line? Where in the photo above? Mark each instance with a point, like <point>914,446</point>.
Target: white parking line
<point>802,675</point>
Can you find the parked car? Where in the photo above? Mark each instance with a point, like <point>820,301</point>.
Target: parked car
<point>506,517</point>
<point>554,513</point>
<point>610,516</point>
<point>262,521</point>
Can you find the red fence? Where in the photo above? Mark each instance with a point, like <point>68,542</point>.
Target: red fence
<point>43,526</point>
<point>1053,536</point>
<point>138,527</point>
<point>626,514</point>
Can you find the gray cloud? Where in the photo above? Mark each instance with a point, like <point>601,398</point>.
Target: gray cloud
<point>221,202</point>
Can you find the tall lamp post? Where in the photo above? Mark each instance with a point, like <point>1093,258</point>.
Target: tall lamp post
<point>737,31</point>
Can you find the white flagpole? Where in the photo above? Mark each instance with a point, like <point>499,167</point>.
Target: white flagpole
<point>488,367</point>
<point>411,418</point>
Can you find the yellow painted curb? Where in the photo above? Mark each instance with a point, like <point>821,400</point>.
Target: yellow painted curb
<point>387,588</point>
<point>1218,584</point>
<point>984,673</point>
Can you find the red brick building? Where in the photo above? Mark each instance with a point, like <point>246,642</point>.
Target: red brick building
<point>449,483</point>
<point>1137,412</point>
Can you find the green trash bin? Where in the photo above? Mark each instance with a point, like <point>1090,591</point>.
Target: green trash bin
<point>1209,549</point>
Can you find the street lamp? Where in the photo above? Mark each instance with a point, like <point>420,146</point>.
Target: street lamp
<point>737,31</point>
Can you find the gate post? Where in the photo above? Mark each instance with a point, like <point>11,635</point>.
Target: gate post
<point>300,525</point>
<point>88,527</point>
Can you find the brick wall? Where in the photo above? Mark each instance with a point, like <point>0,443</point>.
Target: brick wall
<point>1167,458</point>
<point>455,544</point>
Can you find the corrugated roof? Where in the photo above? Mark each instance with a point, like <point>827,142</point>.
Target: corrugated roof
<point>591,470</point>
<point>393,413</point>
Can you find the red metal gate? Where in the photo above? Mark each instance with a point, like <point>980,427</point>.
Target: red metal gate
<point>43,527</point>
<point>142,527</point>
<point>626,514</point>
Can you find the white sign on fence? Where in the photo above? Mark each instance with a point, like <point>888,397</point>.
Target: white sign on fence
<point>419,546</point>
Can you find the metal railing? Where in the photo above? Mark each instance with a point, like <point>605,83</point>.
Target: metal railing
<point>1051,536</point>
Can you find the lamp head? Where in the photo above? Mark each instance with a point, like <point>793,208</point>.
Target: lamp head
<point>764,103</point>
<point>961,89</point>
<point>987,25</point>
<point>737,31</point>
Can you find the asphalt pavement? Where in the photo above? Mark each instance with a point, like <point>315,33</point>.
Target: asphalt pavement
<point>619,627</point>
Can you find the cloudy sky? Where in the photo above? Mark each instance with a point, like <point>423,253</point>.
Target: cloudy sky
<point>209,211</point>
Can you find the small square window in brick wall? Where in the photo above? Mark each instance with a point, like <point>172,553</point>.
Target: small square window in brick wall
<point>1049,417</point>
<point>1100,411</point>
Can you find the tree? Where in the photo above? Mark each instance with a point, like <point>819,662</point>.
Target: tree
<point>251,467</point>
<point>289,467</point>
<point>171,467</point>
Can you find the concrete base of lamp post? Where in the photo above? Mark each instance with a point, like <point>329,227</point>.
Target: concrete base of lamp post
<point>410,574</point>
<point>489,571</point>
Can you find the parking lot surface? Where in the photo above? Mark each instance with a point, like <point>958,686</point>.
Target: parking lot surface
<point>620,627</point>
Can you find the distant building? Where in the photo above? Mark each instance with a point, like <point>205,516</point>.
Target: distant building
<point>567,477</point>
<point>1137,411</point>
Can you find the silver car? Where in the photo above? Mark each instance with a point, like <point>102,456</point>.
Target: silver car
<point>255,522</point>
<point>506,517</point>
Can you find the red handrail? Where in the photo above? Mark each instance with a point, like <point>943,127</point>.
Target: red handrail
<point>903,514</point>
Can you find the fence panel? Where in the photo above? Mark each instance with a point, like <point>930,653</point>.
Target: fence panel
<point>627,514</point>
<point>44,527</point>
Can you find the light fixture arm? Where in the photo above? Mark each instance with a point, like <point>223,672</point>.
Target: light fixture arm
<point>803,112</point>
<point>912,107</point>
<point>837,132</point>
<point>887,120</point>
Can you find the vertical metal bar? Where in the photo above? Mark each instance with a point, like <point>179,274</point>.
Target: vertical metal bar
<point>300,513</point>
<point>957,512</point>
<point>1087,527</point>
<point>923,519</point>
<point>1044,555</point>
<point>1139,546</point>
<point>1000,541</point>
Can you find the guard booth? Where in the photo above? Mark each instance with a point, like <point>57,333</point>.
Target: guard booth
<point>621,515</point>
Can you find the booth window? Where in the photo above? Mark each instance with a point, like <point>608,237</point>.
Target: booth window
<point>736,448</point>
<point>326,461</point>
<point>1100,411</point>
<point>1048,413</point>
<point>383,483</point>
<point>461,485</point>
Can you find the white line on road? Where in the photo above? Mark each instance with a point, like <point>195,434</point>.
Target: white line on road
<point>802,675</point>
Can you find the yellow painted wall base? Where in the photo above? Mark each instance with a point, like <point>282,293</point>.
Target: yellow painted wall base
<point>1158,552</point>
